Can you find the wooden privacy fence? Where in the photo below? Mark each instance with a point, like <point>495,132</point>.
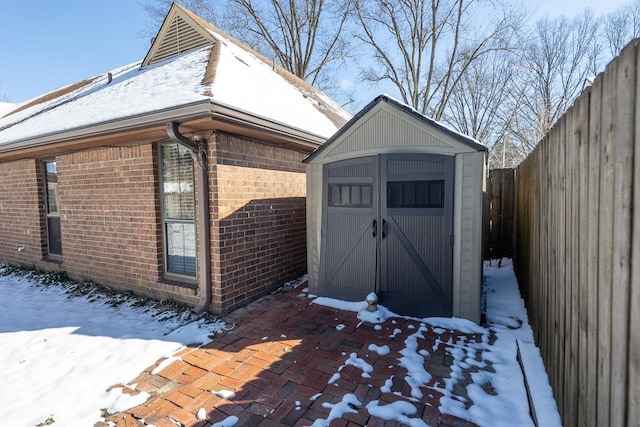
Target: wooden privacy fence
<point>577,250</point>
<point>497,233</point>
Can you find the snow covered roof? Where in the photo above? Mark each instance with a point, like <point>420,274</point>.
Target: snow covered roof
<point>6,107</point>
<point>221,75</point>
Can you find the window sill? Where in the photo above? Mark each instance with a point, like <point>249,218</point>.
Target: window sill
<point>179,284</point>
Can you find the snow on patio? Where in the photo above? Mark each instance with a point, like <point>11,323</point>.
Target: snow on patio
<point>496,394</point>
<point>58,352</point>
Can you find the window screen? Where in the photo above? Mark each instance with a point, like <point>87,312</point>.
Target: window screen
<point>177,180</point>
<point>54,235</point>
<point>350,195</point>
<point>415,194</point>
<point>178,210</point>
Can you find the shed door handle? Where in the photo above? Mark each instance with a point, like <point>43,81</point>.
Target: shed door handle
<point>384,228</point>
<point>374,228</point>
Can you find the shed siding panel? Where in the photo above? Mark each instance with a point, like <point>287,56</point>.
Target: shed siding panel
<point>385,129</point>
<point>470,236</point>
<point>314,221</point>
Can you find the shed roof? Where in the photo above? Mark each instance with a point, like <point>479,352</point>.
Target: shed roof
<point>221,73</point>
<point>402,108</point>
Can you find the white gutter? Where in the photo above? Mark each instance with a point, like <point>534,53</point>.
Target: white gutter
<point>201,108</point>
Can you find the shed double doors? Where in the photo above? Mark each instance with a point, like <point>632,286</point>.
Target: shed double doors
<point>388,228</point>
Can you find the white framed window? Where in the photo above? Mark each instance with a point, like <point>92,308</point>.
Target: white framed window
<point>52,211</point>
<point>178,210</point>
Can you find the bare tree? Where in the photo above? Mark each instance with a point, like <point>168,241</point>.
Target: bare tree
<point>483,103</point>
<point>425,47</point>
<point>555,64</point>
<point>508,153</point>
<point>621,26</point>
<point>484,106</point>
<point>3,96</point>
<point>305,37</point>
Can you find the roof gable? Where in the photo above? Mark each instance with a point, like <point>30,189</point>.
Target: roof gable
<point>180,32</point>
<point>386,125</point>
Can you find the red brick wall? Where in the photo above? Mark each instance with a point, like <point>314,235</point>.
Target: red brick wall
<point>22,222</point>
<point>258,219</point>
<point>110,219</point>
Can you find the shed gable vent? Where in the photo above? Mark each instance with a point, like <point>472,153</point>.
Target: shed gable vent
<point>180,37</point>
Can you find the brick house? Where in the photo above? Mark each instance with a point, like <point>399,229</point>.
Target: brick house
<point>178,177</point>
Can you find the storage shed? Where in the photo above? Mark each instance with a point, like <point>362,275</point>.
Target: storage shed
<point>394,206</point>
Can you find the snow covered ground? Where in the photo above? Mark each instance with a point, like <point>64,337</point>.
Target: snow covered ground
<point>507,316</point>
<point>59,355</point>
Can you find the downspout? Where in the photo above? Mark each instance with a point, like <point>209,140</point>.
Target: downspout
<point>199,155</point>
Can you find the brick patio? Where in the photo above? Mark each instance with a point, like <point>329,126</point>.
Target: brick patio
<point>279,358</point>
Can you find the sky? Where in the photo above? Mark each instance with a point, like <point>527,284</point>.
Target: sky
<point>45,45</point>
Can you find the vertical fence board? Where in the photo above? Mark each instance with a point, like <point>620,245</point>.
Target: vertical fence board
<point>536,207</point>
<point>570,285</point>
<point>542,267</point>
<point>593,248</point>
<point>508,211</point>
<point>558,259</point>
<point>633,388</point>
<point>581,242</point>
<point>605,238</point>
<point>622,139</point>
<point>498,212</point>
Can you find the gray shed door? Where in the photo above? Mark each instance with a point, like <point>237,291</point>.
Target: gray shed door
<point>388,228</point>
<point>348,258</point>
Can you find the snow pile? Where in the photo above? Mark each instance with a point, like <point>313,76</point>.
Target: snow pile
<point>58,352</point>
<point>348,405</point>
<point>413,361</point>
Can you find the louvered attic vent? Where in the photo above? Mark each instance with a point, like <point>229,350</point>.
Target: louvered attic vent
<point>180,37</point>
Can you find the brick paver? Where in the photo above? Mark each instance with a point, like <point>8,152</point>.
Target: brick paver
<point>278,359</point>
